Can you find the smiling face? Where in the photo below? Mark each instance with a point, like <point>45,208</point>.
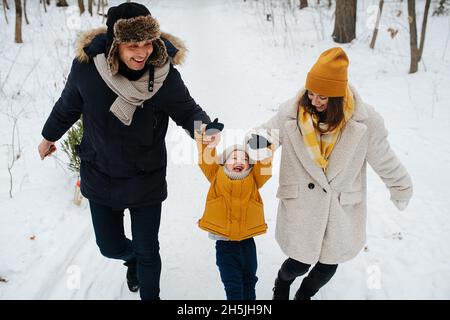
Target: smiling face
<point>237,161</point>
<point>135,54</point>
<point>319,102</point>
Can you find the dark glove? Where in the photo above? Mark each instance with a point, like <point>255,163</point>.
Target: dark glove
<point>214,127</point>
<point>258,142</point>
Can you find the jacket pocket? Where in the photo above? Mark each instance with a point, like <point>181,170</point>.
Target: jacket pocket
<point>144,158</point>
<point>289,191</point>
<point>255,216</point>
<point>216,217</point>
<point>349,198</point>
<point>85,153</point>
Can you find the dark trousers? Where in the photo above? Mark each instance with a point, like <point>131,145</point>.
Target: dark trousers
<point>316,279</point>
<point>237,266</point>
<point>112,242</point>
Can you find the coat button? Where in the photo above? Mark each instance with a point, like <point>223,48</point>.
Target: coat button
<point>311,185</point>
<point>324,190</point>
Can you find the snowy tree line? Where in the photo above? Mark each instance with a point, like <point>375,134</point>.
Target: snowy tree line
<point>345,13</point>
<point>345,17</point>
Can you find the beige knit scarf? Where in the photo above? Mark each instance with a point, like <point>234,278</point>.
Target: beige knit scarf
<point>130,94</point>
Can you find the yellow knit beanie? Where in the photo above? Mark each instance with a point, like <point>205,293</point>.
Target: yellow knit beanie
<point>328,76</point>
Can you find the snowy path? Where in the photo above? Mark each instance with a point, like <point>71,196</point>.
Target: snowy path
<point>237,72</point>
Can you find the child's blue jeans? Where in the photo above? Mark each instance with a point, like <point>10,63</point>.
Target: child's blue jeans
<point>237,266</point>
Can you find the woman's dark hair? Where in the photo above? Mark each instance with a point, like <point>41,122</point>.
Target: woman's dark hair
<point>332,116</point>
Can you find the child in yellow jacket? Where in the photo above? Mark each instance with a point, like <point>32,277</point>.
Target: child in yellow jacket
<point>234,213</point>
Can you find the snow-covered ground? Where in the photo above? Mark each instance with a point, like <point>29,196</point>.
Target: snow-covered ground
<point>240,68</point>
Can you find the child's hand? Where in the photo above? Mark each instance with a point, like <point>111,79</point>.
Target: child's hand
<point>258,142</point>
<point>212,140</point>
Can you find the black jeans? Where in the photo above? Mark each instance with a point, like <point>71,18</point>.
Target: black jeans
<point>237,266</point>
<point>112,242</point>
<point>316,279</point>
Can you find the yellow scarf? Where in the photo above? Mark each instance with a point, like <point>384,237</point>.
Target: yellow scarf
<point>320,145</point>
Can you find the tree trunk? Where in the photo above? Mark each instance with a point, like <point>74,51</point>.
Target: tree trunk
<point>377,24</point>
<point>25,11</point>
<point>345,23</point>
<point>45,5</point>
<point>62,3</point>
<point>413,36</point>
<point>416,52</point>
<point>5,6</point>
<point>81,6</point>
<point>101,9</point>
<point>303,4</point>
<point>18,35</point>
<point>90,4</point>
<point>424,28</point>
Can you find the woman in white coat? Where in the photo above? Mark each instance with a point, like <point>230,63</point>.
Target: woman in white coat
<point>328,135</point>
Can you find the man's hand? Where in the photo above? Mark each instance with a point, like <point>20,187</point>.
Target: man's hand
<point>46,148</point>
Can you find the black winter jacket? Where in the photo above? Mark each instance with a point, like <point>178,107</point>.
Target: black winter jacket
<point>121,166</point>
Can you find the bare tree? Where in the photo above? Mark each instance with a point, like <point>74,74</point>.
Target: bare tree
<point>442,8</point>
<point>81,6</point>
<point>14,147</point>
<point>101,8</point>
<point>18,33</point>
<point>416,51</point>
<point>303,4</point>
<point>5,7</point>
<point>90,4</point>
<point>14,158</point>
<point>25,11</point>
<point>377,24</point>
<point>45,5</point>
<point>345,22</point>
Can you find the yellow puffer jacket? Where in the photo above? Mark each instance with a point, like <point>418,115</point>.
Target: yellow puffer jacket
<point>234,208</point>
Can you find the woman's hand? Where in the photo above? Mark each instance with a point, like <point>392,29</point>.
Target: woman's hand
<point>258,145</point>
<point>258,142</point>
<point>401,204</point>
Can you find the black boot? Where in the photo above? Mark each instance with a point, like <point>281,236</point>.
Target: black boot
<point>281,289</point>
<point>299,296</point>
<point>132,280</point>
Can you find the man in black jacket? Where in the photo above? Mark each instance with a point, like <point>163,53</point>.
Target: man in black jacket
<point>124,84</point>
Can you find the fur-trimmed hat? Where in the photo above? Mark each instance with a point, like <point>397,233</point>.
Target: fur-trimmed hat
<point>132,22</point>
